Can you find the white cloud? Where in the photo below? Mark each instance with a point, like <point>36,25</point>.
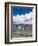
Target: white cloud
<point>23,18</point>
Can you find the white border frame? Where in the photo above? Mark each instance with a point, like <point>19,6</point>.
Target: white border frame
<point>34,26</point>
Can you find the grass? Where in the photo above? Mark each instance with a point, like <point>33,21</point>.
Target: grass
<point>21,33</point>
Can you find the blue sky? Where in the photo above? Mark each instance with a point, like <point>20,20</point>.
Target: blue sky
<point>20,10</point>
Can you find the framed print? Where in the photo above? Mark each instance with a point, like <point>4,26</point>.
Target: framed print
<point>20,22</point>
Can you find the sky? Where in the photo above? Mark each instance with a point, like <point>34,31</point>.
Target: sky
<point>20,10</point>
<point>22,15</point>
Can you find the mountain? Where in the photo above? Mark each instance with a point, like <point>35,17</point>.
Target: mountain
<point>23,19</point>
